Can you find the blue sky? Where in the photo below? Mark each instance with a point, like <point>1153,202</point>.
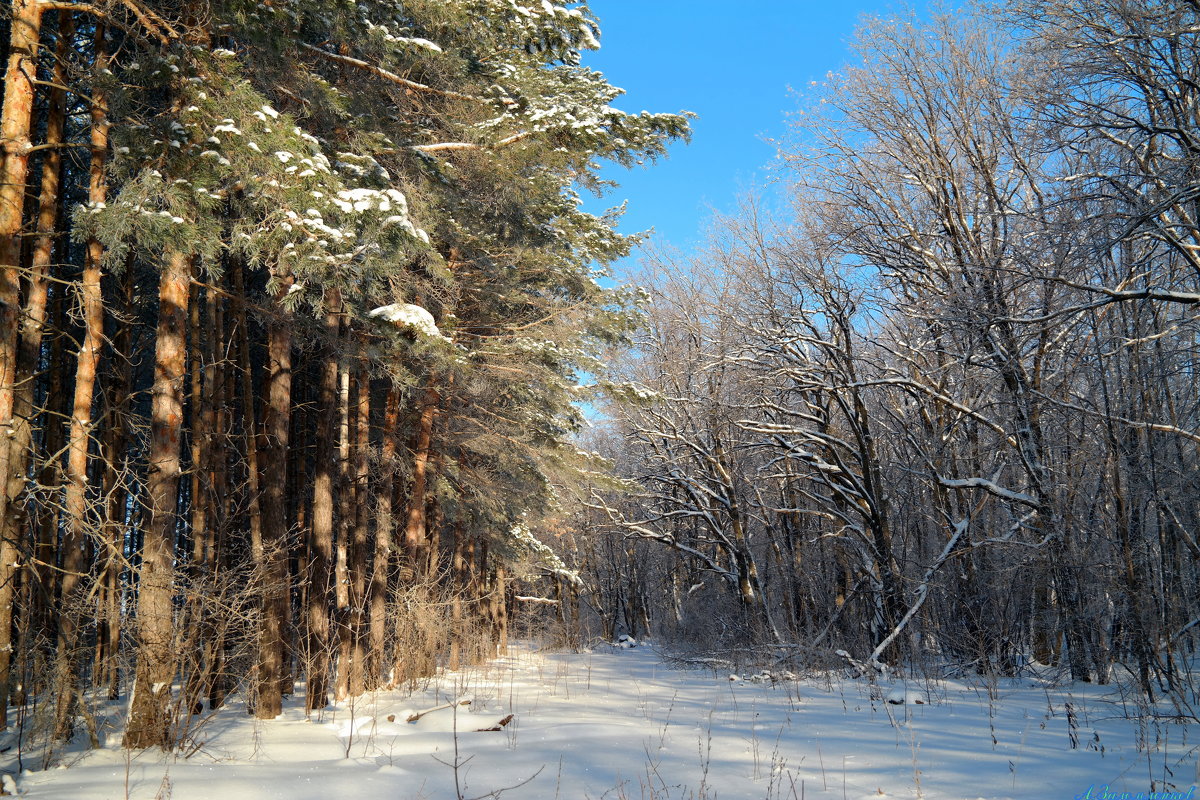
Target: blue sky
<point>732,64</point>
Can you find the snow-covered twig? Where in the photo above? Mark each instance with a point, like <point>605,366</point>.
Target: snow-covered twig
<point>960,528</point>
<point>385,74</point>
<point>416,715</point>
<point>991,487</point>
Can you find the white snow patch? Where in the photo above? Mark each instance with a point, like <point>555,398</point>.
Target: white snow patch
<point>594,724</point>
<point>407,315</point>
<point>899,696</point>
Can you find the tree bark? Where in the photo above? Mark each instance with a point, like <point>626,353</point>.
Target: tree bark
<point>37,286</point>
<point>381,567</point>
<point>343,537</point>
<point>80,436</point>
<point>415,539</point>
<point>149,719</point>
<point>358,548</point>
<point>458,588</point>
<point>276,421</point>
<point>249,417</point>
<point>320,544</point>
<point>16,117</point>
<point>500,610</point>
<point>116,492</point>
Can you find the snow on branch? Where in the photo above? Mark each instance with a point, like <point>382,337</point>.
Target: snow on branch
<point>380,72</point>
<point>540,600</point>
<point>990,487</point>
<point>522,537</point>
<point>1144,293</point>
<point>451,146</point>
<point>922,591</point>
<point>1132,423</point>
<point>407,315</point>
<point>640,530</point>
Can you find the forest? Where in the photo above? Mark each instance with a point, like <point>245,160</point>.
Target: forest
<point>296,298</point>
<point>316,376</point>
<point>941,408</point>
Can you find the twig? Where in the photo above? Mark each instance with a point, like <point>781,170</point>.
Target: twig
<point>380,72</point>
<point>416,715</point>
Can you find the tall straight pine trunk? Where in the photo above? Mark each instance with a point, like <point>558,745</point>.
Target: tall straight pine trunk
<point>416,659</point>
<point>320,545</point>
<point>155,672</point>
<point>16,117</point>
<point>381,566</point>
<point>37,286</point>
<point>342,536</point>
<point>458,588</point>
<point>358,549</point>
<point>13,523</point>
<point>276,421</point>
<point>415,535</point>
<point>116,492</point>
<point>80,438</point>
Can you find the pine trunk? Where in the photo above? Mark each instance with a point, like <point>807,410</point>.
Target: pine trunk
<point>415,541</point>
<point>358,549</point>
<point>500,610</point>
<point>116,492</point>
<point>458,587</point>
<point>343,536</point>
<point>80,436</point>
<point>199,498</point>
<point>16,117</point>
<point>433,525</point>
<point>44,572</point>
<point>321,533</point>
<point>276,419</point>
<point>381,567</point>
<point>33,321</point>
<point>249,417</point>
<point>148,718</point>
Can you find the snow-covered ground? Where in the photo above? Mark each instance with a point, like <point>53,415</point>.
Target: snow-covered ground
<point>622,724</point>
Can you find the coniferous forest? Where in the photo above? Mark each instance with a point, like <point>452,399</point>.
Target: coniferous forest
<point>296,297</point>
<point>314,377</point>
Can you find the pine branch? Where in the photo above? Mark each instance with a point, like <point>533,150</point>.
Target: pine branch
<point>380,72</point>
<point>505,142</point>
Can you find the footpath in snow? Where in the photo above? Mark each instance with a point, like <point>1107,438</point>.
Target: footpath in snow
<point>621,724</point>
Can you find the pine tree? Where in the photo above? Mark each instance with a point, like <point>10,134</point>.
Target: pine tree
<point>376,204</point>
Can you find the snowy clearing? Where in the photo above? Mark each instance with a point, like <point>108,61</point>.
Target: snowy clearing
<point>622,723</point>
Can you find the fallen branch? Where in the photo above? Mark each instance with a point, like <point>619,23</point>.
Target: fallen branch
<point>416,715</point>
<point>499,725</point>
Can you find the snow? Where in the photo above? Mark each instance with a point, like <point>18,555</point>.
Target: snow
<point>899,696</point>
<point>414,41</point>
<point>352,200</point>
<point>407,315</point>
<point>623,723</point>
<point>991,486</point>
